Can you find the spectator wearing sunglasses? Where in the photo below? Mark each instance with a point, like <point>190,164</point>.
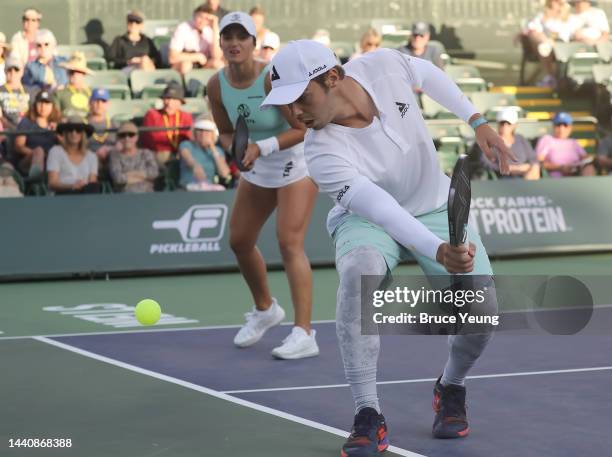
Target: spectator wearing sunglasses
<point>560,154</point>
<point>23,43</point>
<point>71,167</point>
<point>418,46</point>
<point>370,41</point>
<point>46,72</point>
<point>14,97</point>
<point>132,169</point>
<point>133,49</point>
<point>73,100</point>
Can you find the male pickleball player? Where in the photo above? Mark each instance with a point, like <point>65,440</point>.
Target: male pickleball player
<point>368,148</point>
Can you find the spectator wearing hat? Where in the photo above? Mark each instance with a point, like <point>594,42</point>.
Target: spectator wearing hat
<point>14,97</point>
<point>46,72</point>
<point>370,41</point>
<point>73,100</point>
<point>132,169</point>
<point>589,24</point>
<point>24,42</point>
<point>216,8</point>
<point>418,45</point>
<point>202,161</point>
<point>102,140</point>
<point>560,154</point>
<point>526,164</point>
<point>71,167</point>
<point>165,143</point>
<point>269,47</point>
<point>133,49</point>
<point>39,135</point>
<point>195,43</point>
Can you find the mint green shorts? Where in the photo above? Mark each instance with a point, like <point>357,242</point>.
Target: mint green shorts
<point>354,231</point>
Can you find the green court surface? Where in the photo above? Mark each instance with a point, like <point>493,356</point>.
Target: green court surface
<point>205,299</point>
<point>108,408</point>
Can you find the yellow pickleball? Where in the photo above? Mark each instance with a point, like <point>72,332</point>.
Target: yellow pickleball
<point>148,311</point>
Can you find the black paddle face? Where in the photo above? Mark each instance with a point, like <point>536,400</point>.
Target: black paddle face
<point>459,198</point>
<point>240,142</point>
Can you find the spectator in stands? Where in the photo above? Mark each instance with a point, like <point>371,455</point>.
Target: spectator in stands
<point>202,161</point>
<point>589,24</point>
<point>71,167</point>
<point>31,149</point>
<point>4,55</point>
<point>132,169</point>
<point>101,141</point>
<point>560,154</point>
<point>14,97</point>
<point>259,18</point>
<point>370,41</point>
<point>134,49</point>
<point>526,165</point>
<point>195,44</point>
<point>23,43</point>
<point>550,25</point>
<point>73,100</point>
<point>165,143</point>
<point>46,71</point>
<point>604,154</point>
<point>418,45</point>
<point>269,46</point>
<point>216,8</point>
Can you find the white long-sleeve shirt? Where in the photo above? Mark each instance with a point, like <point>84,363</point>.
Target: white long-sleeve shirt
<point>388,172</point>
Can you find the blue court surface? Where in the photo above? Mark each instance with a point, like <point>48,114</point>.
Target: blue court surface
<point>527,395</point>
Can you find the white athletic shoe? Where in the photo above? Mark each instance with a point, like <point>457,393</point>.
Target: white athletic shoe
<point>297,345</point>
<point>257,323</point>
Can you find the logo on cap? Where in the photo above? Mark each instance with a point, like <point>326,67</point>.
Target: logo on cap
<point>274,74</point>
<point>235,17</point>
<point>317,70</point>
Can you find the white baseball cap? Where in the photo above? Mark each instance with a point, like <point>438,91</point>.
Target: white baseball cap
<point>509,114</point>
<point>293,68</point>
<point>270,40</point>
<point>238,17</point>
<point>205,124</point>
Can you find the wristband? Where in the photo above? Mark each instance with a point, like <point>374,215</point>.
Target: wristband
<point>478,122</point>
<point>268,146</point>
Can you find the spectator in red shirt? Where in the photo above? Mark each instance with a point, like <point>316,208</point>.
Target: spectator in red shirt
<point>165,142</point>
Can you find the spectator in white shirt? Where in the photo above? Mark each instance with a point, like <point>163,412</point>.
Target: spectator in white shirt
<point>550,25</point>
<point>589,24</point>
<point>195,43</point>
<point>24,41</point>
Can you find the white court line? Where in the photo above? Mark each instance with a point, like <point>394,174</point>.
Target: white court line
<point>147,330</point>
<point>414,381</point>
<point>212,393</point>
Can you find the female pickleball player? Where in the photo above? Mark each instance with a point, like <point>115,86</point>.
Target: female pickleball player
<point>368,147</point>
<point>277,179</point>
